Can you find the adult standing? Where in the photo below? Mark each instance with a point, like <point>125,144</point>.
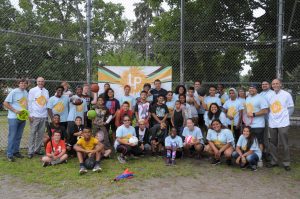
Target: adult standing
<point>158,91</point>
<point>201,110</point>
<point>281,107</point>
<point>15,101</point>
<point>37,106</point>
<point>257,107</point>
<point>266,93</point>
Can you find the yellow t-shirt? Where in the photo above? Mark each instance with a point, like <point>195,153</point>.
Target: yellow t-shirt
<point>88,145</point>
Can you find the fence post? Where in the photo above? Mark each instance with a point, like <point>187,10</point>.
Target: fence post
<point>182,42</point>
<point>279,40</point>
<point>88,41</point>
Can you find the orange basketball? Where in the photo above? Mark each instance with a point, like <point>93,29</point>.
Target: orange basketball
<point>94,88</point>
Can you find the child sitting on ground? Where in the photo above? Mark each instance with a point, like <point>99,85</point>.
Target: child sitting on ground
<point>173,145</point>
<point>55,151</point>
<point>158,135</point>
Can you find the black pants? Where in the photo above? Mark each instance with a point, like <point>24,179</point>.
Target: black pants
<point>236,133</point>
<point>128,150</point>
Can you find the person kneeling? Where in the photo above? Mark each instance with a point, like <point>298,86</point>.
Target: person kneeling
<point>88,147</point>
<point>247,150</point>
<point>193,139</point>
<point>173,145</point>
<point>220,141</point>
<point>122,144</point>
<point>55,151</point>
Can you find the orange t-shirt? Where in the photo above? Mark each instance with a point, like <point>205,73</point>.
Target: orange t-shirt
<point>57,148</point>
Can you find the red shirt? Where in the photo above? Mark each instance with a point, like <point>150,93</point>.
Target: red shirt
<point>57,148</point>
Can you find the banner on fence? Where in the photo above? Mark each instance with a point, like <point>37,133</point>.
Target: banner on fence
<point>135,76</point>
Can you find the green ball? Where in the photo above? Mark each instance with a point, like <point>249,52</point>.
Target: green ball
<point>91,114</point>
<point>24,115</point>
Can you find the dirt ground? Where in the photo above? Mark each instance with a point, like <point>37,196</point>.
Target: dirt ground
<point>210,182</point>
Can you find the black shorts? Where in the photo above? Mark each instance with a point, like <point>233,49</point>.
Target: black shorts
<point>259,134</point>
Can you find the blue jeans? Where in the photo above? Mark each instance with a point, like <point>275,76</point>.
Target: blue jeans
<point>15,132</point>
<point>252,159</point>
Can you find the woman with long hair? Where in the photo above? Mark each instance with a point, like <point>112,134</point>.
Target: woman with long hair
<point>214,112</point>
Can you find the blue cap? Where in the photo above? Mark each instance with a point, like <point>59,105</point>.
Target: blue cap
<point>253,86</point>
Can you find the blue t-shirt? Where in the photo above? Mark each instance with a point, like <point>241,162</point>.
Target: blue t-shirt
<point>233,108</point>
<point>60,106</point>
<point>196,133</point>
<point>177,141</point>
<point>253,105</point>
<point>208,121</point>
<point>208,100</point>
<point>220,139</point>
<point>123,131</point>
<point>77,110</point>
<point>242,143</point>
<point>18,99</point>
<point>130,99</point>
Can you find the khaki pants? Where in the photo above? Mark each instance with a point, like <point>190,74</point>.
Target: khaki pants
<point>37,130</point>
<point>282,134</point>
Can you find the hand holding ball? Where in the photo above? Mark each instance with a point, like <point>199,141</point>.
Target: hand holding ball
<point>133,140</point>
<point>94,88</point>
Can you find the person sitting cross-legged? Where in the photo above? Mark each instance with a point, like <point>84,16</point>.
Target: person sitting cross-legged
<point>55,151</point>
<point>173,145</point>
<point>88,147</point>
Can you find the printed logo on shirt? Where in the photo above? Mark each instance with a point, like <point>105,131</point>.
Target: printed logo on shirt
<point>160,112</point>
<point>79,108</point>
<point>276,107</point>
<point>231,111</point>
<point>23,102</point>
<point>223,100</point>
<point>250,108</point>
<point>59,107</point>
<point>218,144</point>
<point>41,100</point>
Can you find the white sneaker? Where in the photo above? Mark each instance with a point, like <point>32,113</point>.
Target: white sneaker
<point>260,164</point>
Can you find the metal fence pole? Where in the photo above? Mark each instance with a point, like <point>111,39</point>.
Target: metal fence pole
<point>182,42</point>
<point>88,41</point>
<point>279,44</point>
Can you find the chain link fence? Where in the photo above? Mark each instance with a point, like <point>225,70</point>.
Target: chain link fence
<point>223,43</point>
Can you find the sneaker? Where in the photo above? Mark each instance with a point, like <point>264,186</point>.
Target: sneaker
<point>54,162</point>
<point>253,168</point>
<point>18,155</point>
<point>287,168</point>
<point>97,168</point>
<point>260,164</point>
<point>121,159</point>
<point>82,170</point>
<point>45,164</point>
<point>215,162</point>
<point>11,159</point>
<point>30,156</point>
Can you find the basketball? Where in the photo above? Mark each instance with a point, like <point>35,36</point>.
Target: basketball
<point>89,163</point>
<point>201,91</point>
<point>133,140</point>
<point>188,139</point>
<point>94,88</point>
<point>76,101</point>
<point>91,114</point>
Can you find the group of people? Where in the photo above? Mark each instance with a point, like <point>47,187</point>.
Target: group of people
<point>186,122</point>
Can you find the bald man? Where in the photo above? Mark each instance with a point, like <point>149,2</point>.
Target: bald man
<point>281,106</point>
<point>37,106</point>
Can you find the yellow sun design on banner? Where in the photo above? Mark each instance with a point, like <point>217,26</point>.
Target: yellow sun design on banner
<point>135,78</point>
<point>23,102</point>
<point>79,108</point>
<point>249,108</point>
<point>276,107</point>
<point>41,100</point>
<point>59,107</point>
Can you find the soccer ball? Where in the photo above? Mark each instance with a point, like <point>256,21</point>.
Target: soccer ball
<point>89,163</point>
<point>189,139</point>
<point>76,101</point>
<point>133,140</point>
<point>91,114</point>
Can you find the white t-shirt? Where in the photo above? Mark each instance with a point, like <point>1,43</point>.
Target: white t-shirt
<point>279,104</point>
<point>37,102</point>
<point>233,108</point>
<point>255,104</point>
<point>193,108</point>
